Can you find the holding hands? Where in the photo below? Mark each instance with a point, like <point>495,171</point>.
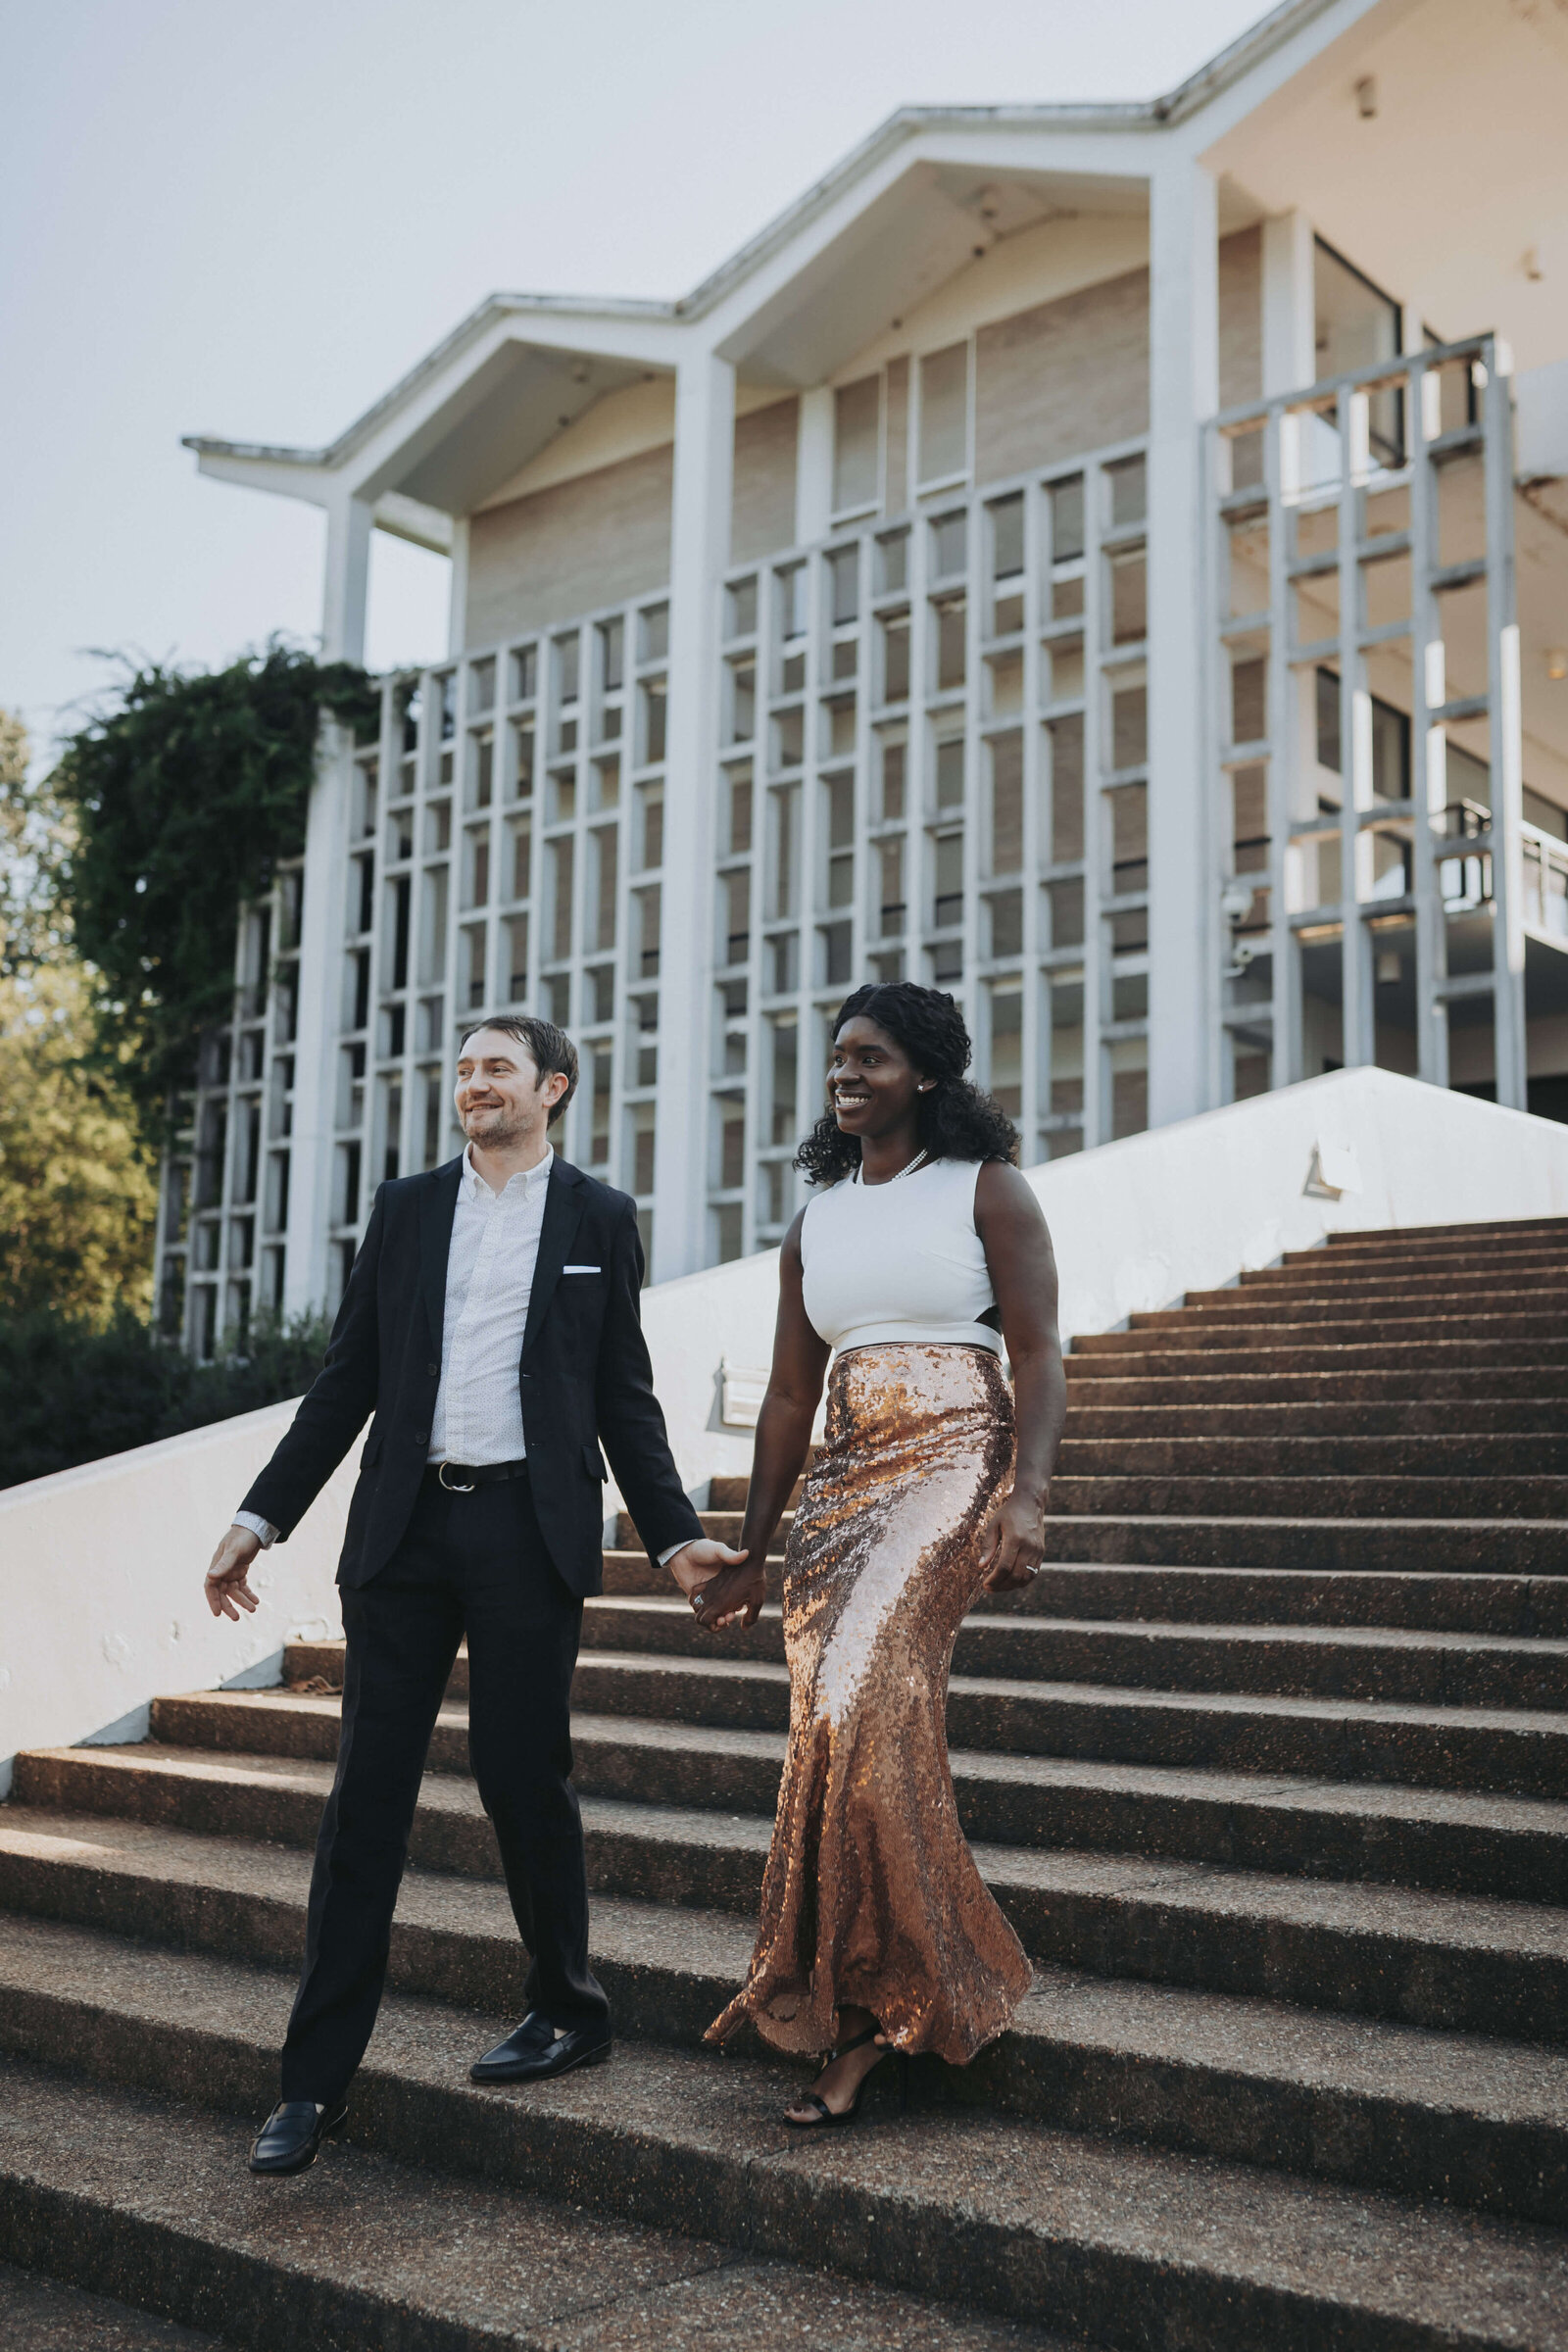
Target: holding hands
<point>711,1576</point>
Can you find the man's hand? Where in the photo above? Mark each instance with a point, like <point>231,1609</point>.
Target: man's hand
<point>734,1596</point>
<point>1013,1544</point>
<point>226,1577</point>
<point>698,1563</point>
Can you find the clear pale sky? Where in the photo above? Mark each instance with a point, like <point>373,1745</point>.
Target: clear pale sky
<point>249,217</point>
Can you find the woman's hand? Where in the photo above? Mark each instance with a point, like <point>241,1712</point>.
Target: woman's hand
<point>1012,1542</point>
<point>734,1596</point>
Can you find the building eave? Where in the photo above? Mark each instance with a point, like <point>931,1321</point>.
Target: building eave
<point>1220,74</point>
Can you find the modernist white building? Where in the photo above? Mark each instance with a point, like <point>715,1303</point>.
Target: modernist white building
<point>1111,561</point>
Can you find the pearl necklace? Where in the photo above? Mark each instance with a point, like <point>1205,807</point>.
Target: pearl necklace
<point>908,1169</point>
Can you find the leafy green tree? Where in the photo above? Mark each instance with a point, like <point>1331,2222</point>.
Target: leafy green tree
<point>186,793</point>
<point>77,1193</point>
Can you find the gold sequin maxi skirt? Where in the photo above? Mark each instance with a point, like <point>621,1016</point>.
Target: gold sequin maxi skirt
<point>872,1897</point>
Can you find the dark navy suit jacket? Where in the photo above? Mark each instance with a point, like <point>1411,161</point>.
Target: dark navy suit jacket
<point>583,1375</point>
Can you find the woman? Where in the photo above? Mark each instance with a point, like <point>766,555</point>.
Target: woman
<point>919,1245</point>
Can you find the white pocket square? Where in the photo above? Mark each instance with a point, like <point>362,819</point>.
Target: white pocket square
<point>582,1269</point>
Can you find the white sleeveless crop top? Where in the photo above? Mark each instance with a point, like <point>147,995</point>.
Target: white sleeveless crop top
<point>898,1262</point>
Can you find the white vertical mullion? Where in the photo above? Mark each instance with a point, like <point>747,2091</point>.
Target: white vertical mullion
<point>1504,737</point>
<point>452,1014</point>
<point>1099,1093</point>
<point>1033,847</point>
<point>970,991</point>
<point>920,797</point>
<point>1426,755</point>
<point>1285,745</point>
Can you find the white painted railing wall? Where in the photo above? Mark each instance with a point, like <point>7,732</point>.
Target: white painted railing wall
<point>100,1568</point>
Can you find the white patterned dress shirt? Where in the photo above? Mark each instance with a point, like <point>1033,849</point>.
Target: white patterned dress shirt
<point>490,1268</point>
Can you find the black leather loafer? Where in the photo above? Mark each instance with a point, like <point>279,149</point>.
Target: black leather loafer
<point>291,2137</point>
<point>537,2053</point>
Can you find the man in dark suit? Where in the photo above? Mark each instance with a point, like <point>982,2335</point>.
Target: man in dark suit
<point>490,1330</point>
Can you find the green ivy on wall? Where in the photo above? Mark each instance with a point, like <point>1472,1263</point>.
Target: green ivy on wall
<point>187,793</point>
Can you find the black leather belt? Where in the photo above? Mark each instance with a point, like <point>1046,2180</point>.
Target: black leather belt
<point>461,1477</point>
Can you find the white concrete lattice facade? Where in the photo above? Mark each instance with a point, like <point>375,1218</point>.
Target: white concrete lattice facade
<point>1000,514</point>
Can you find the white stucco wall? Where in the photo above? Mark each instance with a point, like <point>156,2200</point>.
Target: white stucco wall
<point>101,1601</point>
<point>100,1606</point>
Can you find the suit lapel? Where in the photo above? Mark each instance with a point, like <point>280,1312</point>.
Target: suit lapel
<point>562,1216</point>
<point>438,1205</point>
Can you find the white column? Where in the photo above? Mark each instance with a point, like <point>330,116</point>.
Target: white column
<point>348,576</point>
<point>322,922</point>
<point>1290,326</point>
<point>813,466</point>
<point>457,607</point>
<point>705,442</point>
<point>1184,885</point>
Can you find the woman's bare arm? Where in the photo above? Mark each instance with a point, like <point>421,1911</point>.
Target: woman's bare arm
<point>783,1441</point>
<point>1023,1275</point>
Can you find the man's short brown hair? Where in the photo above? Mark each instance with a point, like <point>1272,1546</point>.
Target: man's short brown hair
<point>549,1049</point>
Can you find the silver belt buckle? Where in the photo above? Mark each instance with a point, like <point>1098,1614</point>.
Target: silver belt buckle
<point>441,1473</point>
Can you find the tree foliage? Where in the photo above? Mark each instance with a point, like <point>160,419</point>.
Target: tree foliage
<point>35,835</point>
<point>79,1194</point>
<point>71,1392</point>
<point>186,793</point>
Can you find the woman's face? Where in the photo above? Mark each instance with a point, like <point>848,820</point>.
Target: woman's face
<point>872,1084</point>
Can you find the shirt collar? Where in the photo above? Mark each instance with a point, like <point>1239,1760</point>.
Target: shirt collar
<point>529,1180</point>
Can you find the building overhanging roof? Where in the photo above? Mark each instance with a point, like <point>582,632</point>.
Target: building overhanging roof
<point>521,367</point>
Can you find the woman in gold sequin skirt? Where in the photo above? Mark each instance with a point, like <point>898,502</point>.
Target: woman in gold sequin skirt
<point>921,1248</point>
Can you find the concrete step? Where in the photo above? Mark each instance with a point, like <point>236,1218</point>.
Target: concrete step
<point>1192,1355</point>
<point>725,1525</point>
<point>1436,1258</point>
<point>1245,2080</point>
<point>1419,1667</point>
<point>1341,1378</point>
<point>1514,1847</point>
<point>1362,1310</point>
<point>1505,1229</point>
<point>38,2314</point>
<point>1353,1740</point>
<point>146,2192</point>
<point>1286,1497</point>
<point>1142,2245</point>
<point>1456,1454</point>
<point>1466,1963</point>
<point>1524,1606</point>
<point>1536,1547</point>
<point>1423,1668</point>
<point>1324,1323</point>
<point>1456,1418</point>
<point>1484,1280</point>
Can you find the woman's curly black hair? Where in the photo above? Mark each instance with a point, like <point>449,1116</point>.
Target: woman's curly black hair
<point>957,1120</point>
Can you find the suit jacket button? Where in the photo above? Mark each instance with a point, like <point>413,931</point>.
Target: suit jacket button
<point>432,1371</point>
<point>421,1437</point>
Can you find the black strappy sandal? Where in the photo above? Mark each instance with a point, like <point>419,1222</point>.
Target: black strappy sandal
<point>844,2115</point>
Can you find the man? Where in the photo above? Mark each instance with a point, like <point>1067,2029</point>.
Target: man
<point>491,1327</point>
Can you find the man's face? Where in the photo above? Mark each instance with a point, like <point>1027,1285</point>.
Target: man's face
<point>501,1098</point>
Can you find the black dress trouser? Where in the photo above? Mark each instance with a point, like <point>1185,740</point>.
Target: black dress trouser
<point>472,1564</point>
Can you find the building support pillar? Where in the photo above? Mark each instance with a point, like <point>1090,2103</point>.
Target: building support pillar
<point>306,1274</point>
<point>458,596</point>
<point>813,466</point>
<point>1184,875</point>
<point>704,446</point>
<point>1290,326</point>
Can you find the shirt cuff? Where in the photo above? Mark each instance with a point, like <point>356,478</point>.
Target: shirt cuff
<point>262,1529</point>
<point>669,1553</point>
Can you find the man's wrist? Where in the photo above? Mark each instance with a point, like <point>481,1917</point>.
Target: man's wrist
<point>263,1530</point>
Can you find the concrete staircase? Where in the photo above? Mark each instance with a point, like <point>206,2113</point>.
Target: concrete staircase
<point>1269,1768</point>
